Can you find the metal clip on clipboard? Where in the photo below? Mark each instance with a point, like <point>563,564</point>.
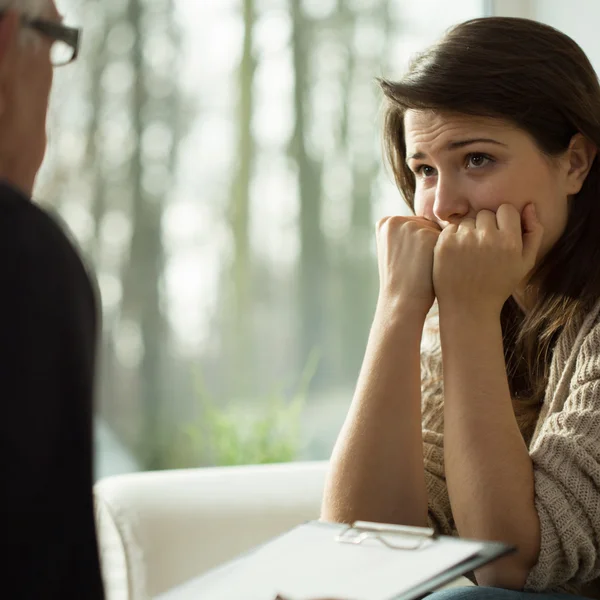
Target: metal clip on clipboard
<point>413,538</point>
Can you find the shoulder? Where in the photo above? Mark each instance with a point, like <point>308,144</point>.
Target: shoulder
<point>27,227</point>
<point>30,231</point>
<point>37,252</point>
<point>587,366</point>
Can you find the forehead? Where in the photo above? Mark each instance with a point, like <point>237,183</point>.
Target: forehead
<point>53,10</point>
<point>49,9</point>
<point>424,127</point>
<point>37,8</point>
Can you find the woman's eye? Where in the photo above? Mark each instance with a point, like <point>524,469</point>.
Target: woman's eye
<point>477,160</point>
<point>425,171</point>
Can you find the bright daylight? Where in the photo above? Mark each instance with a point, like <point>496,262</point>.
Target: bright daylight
<point>300,299</point>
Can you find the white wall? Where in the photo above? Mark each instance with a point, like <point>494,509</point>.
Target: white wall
<point>577,18</point>
<point>512,8</point>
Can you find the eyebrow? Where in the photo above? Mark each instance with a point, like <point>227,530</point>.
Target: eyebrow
<point>459,144</point>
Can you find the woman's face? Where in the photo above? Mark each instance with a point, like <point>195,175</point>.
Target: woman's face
<point>464,164</point>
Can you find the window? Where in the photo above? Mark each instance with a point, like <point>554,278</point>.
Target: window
<point>219,162</point>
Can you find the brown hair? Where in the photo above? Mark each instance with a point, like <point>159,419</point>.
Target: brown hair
<point>540,80</point>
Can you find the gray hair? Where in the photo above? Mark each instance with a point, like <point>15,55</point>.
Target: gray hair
<point>28,8</point>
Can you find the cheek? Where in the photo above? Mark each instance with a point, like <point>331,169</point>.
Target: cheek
<point>39,65</point>
<point>553,215</point>
<point>479,194</point>
<point>488,193</point>
<point>422,205</point>
<point>543,189</point>
<point>535,185</point>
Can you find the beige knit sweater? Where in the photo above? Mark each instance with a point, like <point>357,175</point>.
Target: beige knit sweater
<point>565,450</point>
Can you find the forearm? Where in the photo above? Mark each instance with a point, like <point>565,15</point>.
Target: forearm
<point>488,469</point>
<point>376,468</point>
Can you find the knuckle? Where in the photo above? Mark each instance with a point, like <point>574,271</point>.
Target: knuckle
<point>413,227</point>
<point>381,223</point>
<point>426,232</point>
<point>399,221</point>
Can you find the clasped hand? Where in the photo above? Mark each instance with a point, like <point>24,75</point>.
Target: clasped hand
<point>477,263</point>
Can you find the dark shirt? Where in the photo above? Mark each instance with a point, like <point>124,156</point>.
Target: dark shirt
<point>48,337</point>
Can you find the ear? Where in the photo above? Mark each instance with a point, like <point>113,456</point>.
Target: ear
<point>580,157</point>
<point>9,30</point>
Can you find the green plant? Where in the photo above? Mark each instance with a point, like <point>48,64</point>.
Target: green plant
<point>266,432</point>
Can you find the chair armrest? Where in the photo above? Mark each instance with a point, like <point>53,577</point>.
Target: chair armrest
<point>158,529</point>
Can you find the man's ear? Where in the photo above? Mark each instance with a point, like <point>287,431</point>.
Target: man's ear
<point>9,31</point>
<point>581,155</point>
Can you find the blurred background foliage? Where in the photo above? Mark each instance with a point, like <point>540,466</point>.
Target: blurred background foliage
<point>219,163</point>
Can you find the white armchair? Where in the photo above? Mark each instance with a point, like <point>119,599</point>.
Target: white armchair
<point>158,529</point>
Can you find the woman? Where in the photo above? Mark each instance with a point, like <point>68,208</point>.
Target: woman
<point>492,136</point>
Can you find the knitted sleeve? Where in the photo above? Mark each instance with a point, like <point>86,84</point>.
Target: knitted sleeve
<point>566,459</point>
<point>439,510</point>
<point>432,407</point>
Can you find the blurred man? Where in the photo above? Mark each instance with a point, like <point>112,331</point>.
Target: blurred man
<point>48,331</point>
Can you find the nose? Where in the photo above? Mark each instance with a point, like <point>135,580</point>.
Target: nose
<point>451,204</point>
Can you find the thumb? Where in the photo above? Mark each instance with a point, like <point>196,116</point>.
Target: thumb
<point>533,231</point>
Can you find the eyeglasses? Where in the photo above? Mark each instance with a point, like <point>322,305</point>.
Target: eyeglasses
<point>65,46</point>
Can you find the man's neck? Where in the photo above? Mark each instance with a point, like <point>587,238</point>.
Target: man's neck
<point>20,181</point>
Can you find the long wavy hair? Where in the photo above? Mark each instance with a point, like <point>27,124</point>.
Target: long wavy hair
<point>540,80</point>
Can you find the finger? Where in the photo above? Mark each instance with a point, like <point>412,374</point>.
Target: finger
<point>378,230</point>
<point>508,219</point>
<point>431,224</point>
<point>450,229</point>
<point>467,224</point>
<point>381,223</point>
<point>533,232</point>
<point>486,219</point>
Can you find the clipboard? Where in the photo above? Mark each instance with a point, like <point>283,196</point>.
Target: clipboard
<point>488,552</point>
<point>362,561</point>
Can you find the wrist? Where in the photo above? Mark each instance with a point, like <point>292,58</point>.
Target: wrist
<point>465,314</point>
<point>398,309</point>
<point>459,327</point>
<point>400,313</point>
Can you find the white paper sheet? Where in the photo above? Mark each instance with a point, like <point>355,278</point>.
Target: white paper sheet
<point>307,563</point>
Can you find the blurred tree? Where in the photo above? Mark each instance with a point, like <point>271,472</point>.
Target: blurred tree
<point>119,127</point>
<point>238,331</point>
<point>97,59</point>
<point>313,262</point>
<point>154,113</point>
<point>359,131</point>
